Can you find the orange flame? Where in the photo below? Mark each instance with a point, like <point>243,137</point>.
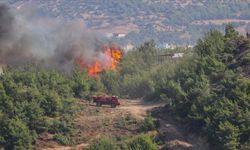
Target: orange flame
<point>95,68</point>
<point>115,54</point>
<point>112,58</point>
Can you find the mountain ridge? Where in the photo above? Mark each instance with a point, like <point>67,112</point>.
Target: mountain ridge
<point>171,21</point>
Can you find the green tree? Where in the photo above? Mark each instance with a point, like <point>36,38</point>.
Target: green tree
<point>81,83</point>
<point>16,135</point>
<point>230,32</point>
<point>228,135</point>
<point>51,104</point>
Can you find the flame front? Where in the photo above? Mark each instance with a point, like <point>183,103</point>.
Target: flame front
<point>112,58</point>
<point>115,55</point>
<point>95,68</point>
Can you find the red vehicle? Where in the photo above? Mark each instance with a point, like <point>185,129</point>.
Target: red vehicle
<point>106,100</point>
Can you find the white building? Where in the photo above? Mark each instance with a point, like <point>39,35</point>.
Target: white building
<point>177,55</point>
<point>119,35</point>
<point>129,47</point>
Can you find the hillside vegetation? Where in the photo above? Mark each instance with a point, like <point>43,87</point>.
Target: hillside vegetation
<point>172,21</point>
<point>211,90</point>
<point>208,90</point>
<point>34,101</point>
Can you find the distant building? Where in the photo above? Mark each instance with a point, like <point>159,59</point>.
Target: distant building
<point>119,35</point>
<point>177,55</point>
<point>167,46</point>
<point>164,45</point>
<point>189,46</point>
<point>129,47</point>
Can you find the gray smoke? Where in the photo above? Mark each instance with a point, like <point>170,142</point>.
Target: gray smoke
<point>27,37</point>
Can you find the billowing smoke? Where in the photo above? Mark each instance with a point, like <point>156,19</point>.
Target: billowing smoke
<point>26,37</point>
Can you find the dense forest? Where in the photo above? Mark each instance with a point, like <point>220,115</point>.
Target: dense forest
<point>169,21</point>
<point>208,90</point>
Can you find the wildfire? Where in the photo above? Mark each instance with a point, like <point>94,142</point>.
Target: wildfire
<point>112,58</point>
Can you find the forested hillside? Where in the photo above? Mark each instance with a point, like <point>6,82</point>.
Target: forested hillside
<point>52,63</point>
<point>211,91</point>
<point>207,91</point>
<point>34,101</point>
<point>172,21</point>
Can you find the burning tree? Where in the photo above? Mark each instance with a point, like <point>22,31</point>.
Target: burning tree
<point>108,60</point>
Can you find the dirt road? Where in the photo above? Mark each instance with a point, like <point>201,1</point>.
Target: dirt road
<point>138,108</point>
<point>94,122</point>
<point>122,123</point>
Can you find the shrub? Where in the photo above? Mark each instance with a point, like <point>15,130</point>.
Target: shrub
<point>60,127</point>
<point>103,144</point>
<point>63,139</point>
<point>246,59</point>
<point>16,135</point>
<point>52,104</point>
<point>141,142</point>
<point>148,124</point>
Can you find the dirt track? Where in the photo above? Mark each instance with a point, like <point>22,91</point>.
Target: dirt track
<point>138,108</point>
<point>122,123</point>
<point>94,122</point>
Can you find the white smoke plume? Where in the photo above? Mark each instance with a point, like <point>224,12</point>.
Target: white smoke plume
<point>26,36</point>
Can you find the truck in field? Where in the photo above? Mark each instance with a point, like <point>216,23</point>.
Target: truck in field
<point>106,100</point>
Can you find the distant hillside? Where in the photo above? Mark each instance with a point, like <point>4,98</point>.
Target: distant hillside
<point>165,21</point>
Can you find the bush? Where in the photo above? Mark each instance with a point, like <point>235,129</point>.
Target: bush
<point>103,144</point>
<point>148,124</point>
<point>63,139</point>
<point>246,59</point>
<point>52,104</point>
<point>60,127</point>
<point>16,135</point>
<point>141,142</point>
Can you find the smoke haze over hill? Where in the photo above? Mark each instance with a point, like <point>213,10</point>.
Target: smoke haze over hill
<point>26,36</point>
<point>165,21</point>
